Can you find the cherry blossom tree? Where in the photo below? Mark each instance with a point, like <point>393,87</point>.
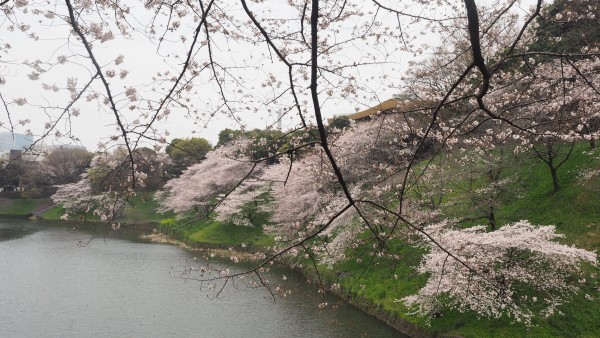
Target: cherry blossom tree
<point>81,201</point>
<point>588,177</point>
<point>558,101</point>
<point>510,271</point>
<point>296,60</point>
<point>106,187</point>
<point>222,182</point>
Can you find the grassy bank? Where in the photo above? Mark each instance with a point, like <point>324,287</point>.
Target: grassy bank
<point>378,284</point>
<point>22,207</point>
<point>575,210</point>
<point>213,233</point>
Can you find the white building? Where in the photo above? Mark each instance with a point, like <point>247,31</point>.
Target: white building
<point>24,143</point>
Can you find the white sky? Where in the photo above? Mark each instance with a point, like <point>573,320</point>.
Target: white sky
<point>141,60</point>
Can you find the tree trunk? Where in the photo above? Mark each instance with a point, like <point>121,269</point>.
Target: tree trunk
<point>492,219</point>
<point>555,182</point>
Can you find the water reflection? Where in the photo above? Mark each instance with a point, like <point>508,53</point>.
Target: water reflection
<point>13,233</point>
<point>51,287</point>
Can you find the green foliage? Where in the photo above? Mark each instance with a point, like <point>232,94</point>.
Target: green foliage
<point>226,233</point>
<point>556,33</point>
<point>185,152</point>
<point>265,143</point>
<point>56,212</point>
<point>10,175</point>
<point>339,122</point>
<point>574,209</point>
<point>65,165</point>
<point>17,207</point>
<point>381,279</point>
<point>299,137</point>
<point>99,176</point>
<point>227,135</point>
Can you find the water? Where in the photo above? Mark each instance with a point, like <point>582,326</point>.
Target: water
<point>52,287</point>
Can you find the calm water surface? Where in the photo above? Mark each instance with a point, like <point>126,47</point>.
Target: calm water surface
<point>51,287</point>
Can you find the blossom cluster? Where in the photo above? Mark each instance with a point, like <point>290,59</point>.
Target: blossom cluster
<point>491,273</point>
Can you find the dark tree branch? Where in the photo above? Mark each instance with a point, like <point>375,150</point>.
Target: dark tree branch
<point>184,68</point>
<point>281,57</point>
<point>8,114</point>
<point>115,111</point>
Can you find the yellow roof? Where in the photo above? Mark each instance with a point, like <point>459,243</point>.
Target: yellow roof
<point>385,105</point>
<point>388,106</point>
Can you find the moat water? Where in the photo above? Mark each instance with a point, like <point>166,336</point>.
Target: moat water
<point>53,283</point>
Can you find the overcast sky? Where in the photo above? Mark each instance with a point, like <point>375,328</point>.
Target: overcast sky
<point>96,124</point>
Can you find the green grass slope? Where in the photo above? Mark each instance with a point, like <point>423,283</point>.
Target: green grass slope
<point>382,283</point>
<point>21,207</point>
<point>575,210</point>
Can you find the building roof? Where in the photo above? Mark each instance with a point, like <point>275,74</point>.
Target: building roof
<point>383,106</point>
<point>393,105</point>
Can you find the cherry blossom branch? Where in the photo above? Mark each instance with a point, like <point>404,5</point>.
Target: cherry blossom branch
<point>434,117</point>
<point>363,271</point>
<point>264,283</point>
<point>281,57</point>
<point>115,111</point>
<point>287,176</point>
<point>314,262</point>
<point>184,68</point>
<point>429,237</point>
<point>285,250</point>
<point>216,74</point>
<point>585,78</point>
<point>65,111</point>
<point>302,18</point>
<point>279,154</point>
<point>229,192</point>
<point>314,24</point>
<point>508,53</point>
<point>398,12</point>
<point>8,114</point>
<point>479,62</point>
<point>553,54</point>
